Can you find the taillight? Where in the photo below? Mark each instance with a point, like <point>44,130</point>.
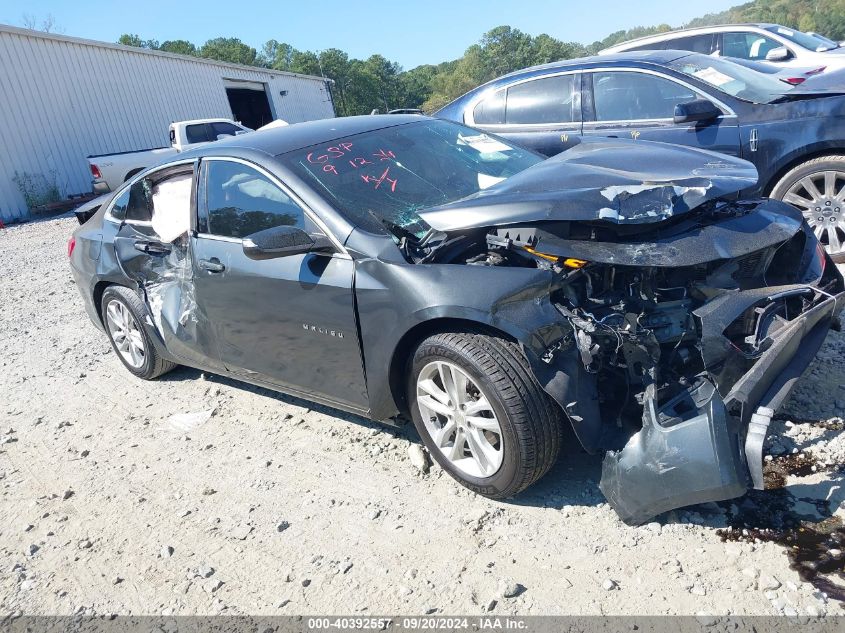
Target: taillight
<point>71,244</point>
<point>815,71</point>
<point>793,81</point>
<point>95,171</point>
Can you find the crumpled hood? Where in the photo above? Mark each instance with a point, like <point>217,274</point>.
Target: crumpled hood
<point>624,182</point>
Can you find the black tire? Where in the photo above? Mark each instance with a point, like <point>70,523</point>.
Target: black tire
<point>830,210</point>
<point>530,421</point>
<point>153,365</point>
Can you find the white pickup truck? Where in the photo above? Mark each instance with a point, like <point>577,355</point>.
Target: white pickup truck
<point>112,170</point>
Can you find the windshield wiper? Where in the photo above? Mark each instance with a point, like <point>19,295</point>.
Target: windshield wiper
<point>397,230</point>
<point>803,96</point>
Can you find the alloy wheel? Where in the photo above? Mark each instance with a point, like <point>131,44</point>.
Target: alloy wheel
<point>125,333</point>
<point>821,198</point>
<point>460,419</point>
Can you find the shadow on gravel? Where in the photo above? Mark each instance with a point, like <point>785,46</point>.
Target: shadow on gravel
<point>188,374</point>
<point>798,516</point>
<point>572,481</point>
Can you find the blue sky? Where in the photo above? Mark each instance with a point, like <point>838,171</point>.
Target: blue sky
<point>412,33</point>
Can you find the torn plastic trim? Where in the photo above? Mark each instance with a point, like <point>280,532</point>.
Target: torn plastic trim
<point>754,439</point>
<point>676,462</point>
<point>694,449</point>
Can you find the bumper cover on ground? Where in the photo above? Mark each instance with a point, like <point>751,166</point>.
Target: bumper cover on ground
<point>693,448</point>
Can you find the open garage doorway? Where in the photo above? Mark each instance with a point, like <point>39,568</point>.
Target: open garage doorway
<point>249,103</point>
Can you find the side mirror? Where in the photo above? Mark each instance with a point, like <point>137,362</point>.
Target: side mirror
<point>696,110</point>
<point>778,54</point>
<point>283,241</point>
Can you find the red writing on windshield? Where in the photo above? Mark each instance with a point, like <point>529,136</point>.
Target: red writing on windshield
<point>325,159</point>
<point>380,179</point>
<point>385,155</point>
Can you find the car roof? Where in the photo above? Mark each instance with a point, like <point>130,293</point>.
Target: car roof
<point>195,121</point>
<point>281,140</point>
<point>692,29</point>
<point>626,57</point>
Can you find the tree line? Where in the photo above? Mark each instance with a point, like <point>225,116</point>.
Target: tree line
<point>362,85</point>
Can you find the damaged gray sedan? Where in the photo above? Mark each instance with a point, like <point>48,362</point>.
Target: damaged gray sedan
<point>390,265</point>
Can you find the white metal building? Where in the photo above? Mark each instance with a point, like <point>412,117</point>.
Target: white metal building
<point>63,99</point>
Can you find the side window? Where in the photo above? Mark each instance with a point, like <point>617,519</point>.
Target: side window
<point>696,43</point>
<point>651,46</point>
<point>139,207</point>
<point>490,111</point>
<point>241,201</point>
<point>633,96</point>
<point>752,46</point>
<point>197,133</point>
<point>118,209</point>
<point>171,202</point>
<point>544,100</point>
<point>162,200</point>
<point>218,128</point>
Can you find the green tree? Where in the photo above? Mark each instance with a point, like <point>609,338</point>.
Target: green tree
<point>360,86</point>
<point>132,39</point>
<point>305,62</point>
<point>229,49</point>
<point>182,47</point>
<point>276,55</point>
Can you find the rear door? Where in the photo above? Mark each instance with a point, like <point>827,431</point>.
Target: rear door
<point>639,104</point>
<point>288,321</point>
<point>153,250</point>
<point>541,113</point>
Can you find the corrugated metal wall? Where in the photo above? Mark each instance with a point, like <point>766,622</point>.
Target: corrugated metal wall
<point>63,99</point>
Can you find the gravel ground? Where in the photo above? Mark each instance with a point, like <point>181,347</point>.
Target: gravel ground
<point>112,500</point>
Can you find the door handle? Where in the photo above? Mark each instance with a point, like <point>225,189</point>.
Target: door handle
<point>152,248</point>
<point>212,265</point>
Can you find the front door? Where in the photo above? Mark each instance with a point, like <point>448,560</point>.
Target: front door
<point>635,105</point>
<point>289,321</point>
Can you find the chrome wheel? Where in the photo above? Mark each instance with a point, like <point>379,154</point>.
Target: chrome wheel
<point>821,198</point>
<point>125,333</point>
<point>460,419</point>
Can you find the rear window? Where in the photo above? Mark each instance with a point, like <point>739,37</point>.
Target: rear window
<point>197,133</point>
<point>219,127</point>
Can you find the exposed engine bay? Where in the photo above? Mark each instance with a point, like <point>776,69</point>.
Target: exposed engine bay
<point>672,346</point>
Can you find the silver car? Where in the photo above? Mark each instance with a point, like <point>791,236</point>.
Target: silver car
<point>770,43</point>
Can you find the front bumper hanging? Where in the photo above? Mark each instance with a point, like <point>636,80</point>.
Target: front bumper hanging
<point>701,446</point>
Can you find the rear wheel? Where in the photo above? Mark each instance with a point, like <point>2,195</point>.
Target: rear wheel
<point>481,413</point>
<point>817,189</point>
<point>123,312</point>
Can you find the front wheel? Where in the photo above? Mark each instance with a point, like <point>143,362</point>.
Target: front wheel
<point>817,189</point>
<point>481,413</point>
